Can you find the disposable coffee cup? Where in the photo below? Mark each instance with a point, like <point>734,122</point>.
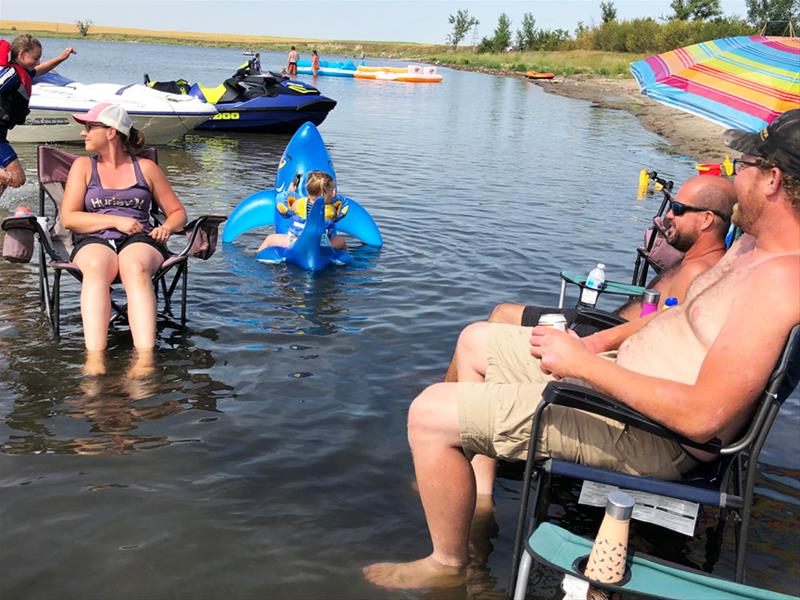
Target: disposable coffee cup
<point>554,320</point>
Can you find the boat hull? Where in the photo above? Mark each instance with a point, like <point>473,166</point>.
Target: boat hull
<point>161,116</point>
<point>57,125</point>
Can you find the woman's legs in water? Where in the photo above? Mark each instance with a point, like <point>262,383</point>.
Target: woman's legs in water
<point>137,264</point>
<point>98,264</point>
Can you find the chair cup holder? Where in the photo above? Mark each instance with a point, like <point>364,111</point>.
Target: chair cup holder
<point>579,566</point>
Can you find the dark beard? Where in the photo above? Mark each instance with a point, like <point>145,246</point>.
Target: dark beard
<point>680,242</point>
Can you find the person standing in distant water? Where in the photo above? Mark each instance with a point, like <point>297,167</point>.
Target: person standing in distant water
<point>293,57</point>
<point>314,63</point>
<point>19,64</point>
<point>255,63</point>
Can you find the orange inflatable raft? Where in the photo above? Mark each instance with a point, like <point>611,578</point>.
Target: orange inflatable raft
<point>410,74</point>
<point>539,75</point>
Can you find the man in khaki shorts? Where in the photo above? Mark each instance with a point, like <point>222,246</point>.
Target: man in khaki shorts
<point>697,368</point>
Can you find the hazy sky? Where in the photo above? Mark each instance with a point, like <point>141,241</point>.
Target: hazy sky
<point>379,20</point>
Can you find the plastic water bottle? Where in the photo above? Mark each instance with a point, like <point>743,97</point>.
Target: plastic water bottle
<point>650,300</point>
<point>594,283</point>
<point>670,302</point>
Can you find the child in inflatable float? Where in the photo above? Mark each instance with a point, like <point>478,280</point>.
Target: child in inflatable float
<point>318,184</point>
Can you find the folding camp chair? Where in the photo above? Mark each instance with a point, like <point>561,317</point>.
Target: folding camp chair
<point>726,483</point>
<point>647,576</point>
<point>655,254</point>
<point>55,242</point>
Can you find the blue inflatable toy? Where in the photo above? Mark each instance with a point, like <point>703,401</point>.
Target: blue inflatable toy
<point>305,152</point>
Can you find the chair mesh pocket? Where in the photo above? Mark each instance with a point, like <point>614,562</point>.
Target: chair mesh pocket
<point>18,245</point>
<point>662,255</point>
<point>205,243</point>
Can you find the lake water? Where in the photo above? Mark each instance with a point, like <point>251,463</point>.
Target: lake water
<point>267,457</point>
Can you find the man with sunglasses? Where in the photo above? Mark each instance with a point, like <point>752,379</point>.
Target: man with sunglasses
<point>697,369</point>
<point>696,225</point>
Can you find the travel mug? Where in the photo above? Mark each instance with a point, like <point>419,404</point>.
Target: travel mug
<point>606,562</point>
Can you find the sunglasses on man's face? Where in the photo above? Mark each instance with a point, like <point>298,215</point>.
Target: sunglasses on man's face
<point>679,208</point>
<point>740,164</point>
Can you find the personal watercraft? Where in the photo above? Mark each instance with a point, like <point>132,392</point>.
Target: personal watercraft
<point>259,102</point>
<point>161,116</point>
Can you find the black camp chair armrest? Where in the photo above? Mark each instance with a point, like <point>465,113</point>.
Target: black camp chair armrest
<point>599,318</point>
<point>589,400</point>
<point>30,223</point>
<point>205,223</point>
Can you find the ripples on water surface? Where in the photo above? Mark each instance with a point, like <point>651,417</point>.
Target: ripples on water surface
<point>268,457</point>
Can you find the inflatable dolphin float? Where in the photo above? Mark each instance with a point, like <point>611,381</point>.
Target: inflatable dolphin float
<point>305,152</point>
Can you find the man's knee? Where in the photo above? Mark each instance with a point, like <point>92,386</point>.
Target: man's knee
<point>473,338</point>
<point>430,414</point>
<point>506,313</point>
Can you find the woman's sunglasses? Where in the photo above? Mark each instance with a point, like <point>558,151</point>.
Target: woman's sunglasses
<point>90,126</point>
<point>679,208</point>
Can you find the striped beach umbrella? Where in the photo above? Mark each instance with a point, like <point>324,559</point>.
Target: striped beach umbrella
<point>741,82</point>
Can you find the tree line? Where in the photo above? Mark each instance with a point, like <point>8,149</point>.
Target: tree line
<point>691,21</point>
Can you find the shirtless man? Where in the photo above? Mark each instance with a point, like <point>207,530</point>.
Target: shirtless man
<point>698,231</point>
<point>292,59</point>
<point>697,368</point>
<point>696,224</point>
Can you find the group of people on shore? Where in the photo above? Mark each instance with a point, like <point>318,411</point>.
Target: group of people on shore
<point>697,368</point>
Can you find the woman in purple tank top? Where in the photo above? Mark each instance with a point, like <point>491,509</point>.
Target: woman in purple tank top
<point>106,205</point>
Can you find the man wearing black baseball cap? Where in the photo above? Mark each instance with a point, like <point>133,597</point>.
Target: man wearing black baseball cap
<point>715,354</point>
<point>775,148</point>
<point>779,143</point>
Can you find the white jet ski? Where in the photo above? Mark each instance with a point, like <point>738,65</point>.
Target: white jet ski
<point>161,116</point>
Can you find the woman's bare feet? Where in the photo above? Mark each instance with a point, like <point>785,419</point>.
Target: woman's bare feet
<point>425,573</point>
<point>142,364</point>
<point>95,363</point>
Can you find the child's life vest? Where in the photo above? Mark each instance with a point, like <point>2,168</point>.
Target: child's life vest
<point>334,212</point>
<point>13,100</point>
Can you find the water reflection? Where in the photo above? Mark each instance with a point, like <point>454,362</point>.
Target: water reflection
<point>283,405</point>
<point>115,413</point>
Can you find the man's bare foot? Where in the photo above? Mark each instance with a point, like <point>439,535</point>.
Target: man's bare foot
<point>425,573</point>
<point>95,363</point>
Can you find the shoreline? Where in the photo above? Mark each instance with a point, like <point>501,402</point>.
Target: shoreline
<point>687,134</point>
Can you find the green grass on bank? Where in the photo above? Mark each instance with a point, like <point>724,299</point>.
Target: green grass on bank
<point>562,62</point>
